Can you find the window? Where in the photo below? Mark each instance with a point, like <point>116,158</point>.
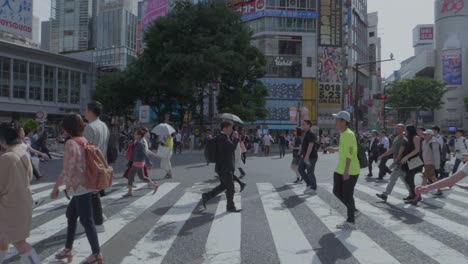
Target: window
<point>371,34</point>
<point>69,10</point>
<point>49,83</point>
<point>62,89</point>
<point>19,79</point>
<point>75,87</point>
<point>309,61</point>
<point>5,77</point>
<point>68,33</point>
<point>35,81</point>
<point>290,47</point>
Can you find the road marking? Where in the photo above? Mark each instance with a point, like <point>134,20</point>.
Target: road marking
<point>59,223</point>
<point>432,218</point>
<point>291,244</point>
<point>40,185</point>
<point>153,247</point>
<point>220,250</point>
<point>118,221</point>
<point>424,243</point>
<point>362,247</point>
<point>41,195</point>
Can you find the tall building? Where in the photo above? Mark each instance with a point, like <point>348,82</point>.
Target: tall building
<point>375,115</point>
<point>116,32</point>
<point>286,32</point>
<point>451,55</point>
<point>45,35</point>
<point>71,25</point>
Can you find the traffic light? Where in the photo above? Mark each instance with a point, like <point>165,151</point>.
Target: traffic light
<point>383,97</point>
<point>379,96</point>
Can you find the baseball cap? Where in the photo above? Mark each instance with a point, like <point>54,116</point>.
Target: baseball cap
<point>428,132</point>
<point>343,115</point>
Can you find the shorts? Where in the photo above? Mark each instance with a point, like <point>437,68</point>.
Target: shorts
<point>429,171</point>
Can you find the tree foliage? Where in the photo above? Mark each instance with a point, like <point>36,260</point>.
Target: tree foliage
<point>196,45</point>
<point>419,94</point>
<point>30,124</point>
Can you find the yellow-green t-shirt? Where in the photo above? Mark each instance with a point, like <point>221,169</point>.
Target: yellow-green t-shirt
<point>169,142</point>
<point>348,149</point>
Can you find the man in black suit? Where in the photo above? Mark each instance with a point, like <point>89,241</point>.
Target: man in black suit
<point>225,166</point>
<point>373,150</point>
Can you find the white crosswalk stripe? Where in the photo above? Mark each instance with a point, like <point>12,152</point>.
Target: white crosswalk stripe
<point>292,243</point>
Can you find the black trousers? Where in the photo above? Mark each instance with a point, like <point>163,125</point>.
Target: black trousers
<point>383,169</point>
<point>372,158</point>
<point>97,208</point>
<point>409,178</point>
<point>344,191</point>
<point>226,184</point>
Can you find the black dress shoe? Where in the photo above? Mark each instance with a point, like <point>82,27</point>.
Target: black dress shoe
<point>382,196</point>
<point>233,210</point>
<point>408,198</point>
<point>242,185</point>
<point>369,175</point>
<point>204,200</point>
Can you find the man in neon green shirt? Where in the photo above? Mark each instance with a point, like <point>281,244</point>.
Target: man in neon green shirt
<point>348,169</point>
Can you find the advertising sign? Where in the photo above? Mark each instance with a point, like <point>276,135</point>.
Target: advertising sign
<point>293,113</point>
<point>330,77</point>
<point>144,115</point>
<point>452,66</point>
<point>446,8</point>
<point>330,29</point>
<point>426,33</point>
<point>154,9</point>
<point>279,13</point>
<point>16,17</point>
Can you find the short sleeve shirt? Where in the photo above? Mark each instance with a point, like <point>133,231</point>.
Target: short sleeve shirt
<point>348,150</point>
<point>309,137</point>
<point>397,144</point>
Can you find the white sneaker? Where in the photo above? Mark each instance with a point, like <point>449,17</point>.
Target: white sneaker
<point>100,229</point>
<point>346,226</point>
<point>310,191</point>
<point>104,217</point>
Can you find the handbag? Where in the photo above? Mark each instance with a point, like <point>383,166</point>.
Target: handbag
<point>163,152</point>
<point>415,163</point>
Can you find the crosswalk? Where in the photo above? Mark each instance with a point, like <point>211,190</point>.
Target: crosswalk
<point>151,228</point>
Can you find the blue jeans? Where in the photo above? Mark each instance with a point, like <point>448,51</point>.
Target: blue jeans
<point>308,173</point>
<point>81,206</point>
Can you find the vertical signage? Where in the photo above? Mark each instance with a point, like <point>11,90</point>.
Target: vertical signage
<point>452,66</point>
<point>330,77</point>
<point>330,23</point>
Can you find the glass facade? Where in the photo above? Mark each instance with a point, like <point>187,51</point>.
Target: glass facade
<point>5,75</point>
<point>62,89</point>
<point>49,83</point>
<point>19,79</point>
<point>282,24</point>
<point>35,81</point>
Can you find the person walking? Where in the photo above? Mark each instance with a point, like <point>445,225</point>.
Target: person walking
<point>444,152</point>
<point>42,144</point>
<point>282,145</point>
<point>16,200</point>
<point>24,136</point>
<point>373,150</point>
<point>267,141</point>
<point>166,164</point>
<point>347,171</point>
<point>225,167</point>
<point>178,142</point>
<point>97,133</point>
<point>139,159</point>
<point>460,147</point>
<point>411,152</point>
<point>80,205</point>
<point>256,144</point>
<point>384,146</point>
<point>238,155</point>
<point>191,142</point>
<point>296,147</point>
<point>397,150</point>
<point>309,157</point>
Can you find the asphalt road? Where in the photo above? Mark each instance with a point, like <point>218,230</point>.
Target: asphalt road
<point>278,223</point>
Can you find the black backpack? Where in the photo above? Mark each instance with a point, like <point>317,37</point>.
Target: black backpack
<point>210,150</point>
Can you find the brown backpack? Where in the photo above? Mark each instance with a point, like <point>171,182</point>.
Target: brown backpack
<point>98,174</point>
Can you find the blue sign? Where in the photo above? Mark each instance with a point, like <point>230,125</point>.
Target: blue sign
<point>452,66</point>
<point>280,13</point>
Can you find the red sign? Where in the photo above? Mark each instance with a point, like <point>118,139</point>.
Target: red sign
<point>260,4</point>
<point>454,6</point>
<point>426,33</point>
<point>245,8</point>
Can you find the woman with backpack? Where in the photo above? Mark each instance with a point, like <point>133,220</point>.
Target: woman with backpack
<point>16,200</point>
<point>73,176</point>
<point>139,159</point>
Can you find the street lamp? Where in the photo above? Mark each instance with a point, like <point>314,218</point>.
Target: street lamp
<point>358,66</point>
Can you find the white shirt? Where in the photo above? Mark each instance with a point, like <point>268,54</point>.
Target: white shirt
<point>439,140</point>
<point>97,133</point>
<point>461,146</point>
<point>267,140</point>
<point>178,137</point>
<point>385,142</point>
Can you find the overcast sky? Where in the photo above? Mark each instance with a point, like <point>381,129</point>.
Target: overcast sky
<point>397,18</point>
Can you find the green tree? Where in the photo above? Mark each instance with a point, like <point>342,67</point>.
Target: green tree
<point>30,125</point>
<point>419,94</point>
<point>193,46</point>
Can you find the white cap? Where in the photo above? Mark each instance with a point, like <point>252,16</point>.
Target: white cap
<point>343,115</point>
<point>428,132</point>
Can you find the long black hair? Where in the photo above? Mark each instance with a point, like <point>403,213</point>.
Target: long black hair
<point>9,134</point>
<point>411,132</point>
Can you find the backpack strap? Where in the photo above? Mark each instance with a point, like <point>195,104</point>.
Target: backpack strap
<point>465,143</point>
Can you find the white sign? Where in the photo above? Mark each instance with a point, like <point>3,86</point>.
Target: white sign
<point>144,116</point>
<point>41,116</point>
<point>16,17</point>
<point>280,61</point>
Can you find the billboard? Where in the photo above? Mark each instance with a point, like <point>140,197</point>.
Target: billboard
<point>452,66</point>
<point>426,33</point>
<point>16,17</point>
<point>249,6</point>
<point>330,29</point>
<point>154,9</point>
<point>279,13</point>
<point>448,8</point>
<point>330,77</point>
